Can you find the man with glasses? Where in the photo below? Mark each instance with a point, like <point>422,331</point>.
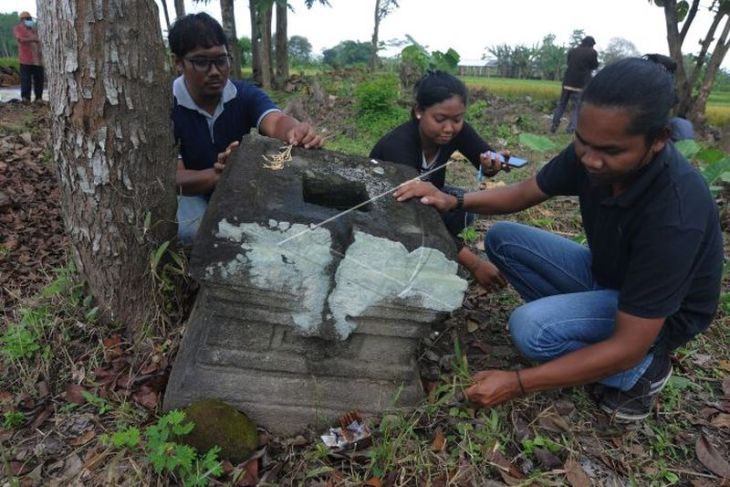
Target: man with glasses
<point>29,55</point>
<point>212,113</point>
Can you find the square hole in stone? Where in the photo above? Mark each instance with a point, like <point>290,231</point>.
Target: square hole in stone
<point>334,191</point>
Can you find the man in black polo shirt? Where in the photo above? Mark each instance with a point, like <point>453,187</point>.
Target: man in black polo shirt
<point>649,279</point>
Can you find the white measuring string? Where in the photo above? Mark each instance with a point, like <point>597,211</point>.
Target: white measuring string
<point>328,220</point>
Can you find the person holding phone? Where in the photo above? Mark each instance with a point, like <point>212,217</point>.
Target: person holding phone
<point>426,142</point>
<point>649,279</point>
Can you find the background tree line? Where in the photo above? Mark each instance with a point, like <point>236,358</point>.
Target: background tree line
<point>548,60</point>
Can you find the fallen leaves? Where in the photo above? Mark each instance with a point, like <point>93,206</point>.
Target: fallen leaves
<point>575,474</point>
<point>711,457</point>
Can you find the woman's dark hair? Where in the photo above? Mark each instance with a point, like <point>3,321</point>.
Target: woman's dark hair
<point>643,87</point>
<point>193,31</point>
<point>437,86</point>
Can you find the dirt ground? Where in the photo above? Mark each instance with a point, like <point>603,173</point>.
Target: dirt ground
<point>86,382</point>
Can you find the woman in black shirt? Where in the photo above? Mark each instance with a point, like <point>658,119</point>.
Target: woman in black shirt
<point>436,130</point>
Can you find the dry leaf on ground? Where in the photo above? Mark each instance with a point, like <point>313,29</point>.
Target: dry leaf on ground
<point>711,458</point>
<point>575,474</point>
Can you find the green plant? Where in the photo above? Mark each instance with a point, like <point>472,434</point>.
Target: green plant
<point>539,441</point>
<point>13,419</point>
<point>167,455</point>
<point>19,341</point>
<point>101,404</point>
<point>377,95</point>
<point>469,235</point>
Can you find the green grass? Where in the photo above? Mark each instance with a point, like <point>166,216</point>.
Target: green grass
<point>9,62</point>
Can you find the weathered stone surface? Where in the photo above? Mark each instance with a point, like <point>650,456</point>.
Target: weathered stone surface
<point>219,424</point>
<point>296,324</point>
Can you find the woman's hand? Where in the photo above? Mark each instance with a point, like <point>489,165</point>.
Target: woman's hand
<point>493,387</point>
<point>492,162</point>
<point>428,194</point>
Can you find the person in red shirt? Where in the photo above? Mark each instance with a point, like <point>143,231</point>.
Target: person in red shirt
<point>29,54</point>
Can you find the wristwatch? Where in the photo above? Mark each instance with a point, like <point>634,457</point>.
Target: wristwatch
<point>459,201</point>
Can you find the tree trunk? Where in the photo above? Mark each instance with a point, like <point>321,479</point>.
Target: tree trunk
<point>180,8</point>
<point>697,113</point>
<point>167,14</point>
<point>282,45</point>
<point>264,30</point>
<point>255,42</point>
<point>110,99</point>
<point>374,54</point>
<point>228,18</point>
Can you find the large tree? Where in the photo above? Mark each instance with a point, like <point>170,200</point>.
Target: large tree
<point>382,9</point>
<point>618,48</point>
<point>694,83</point>
<point>112,144</point>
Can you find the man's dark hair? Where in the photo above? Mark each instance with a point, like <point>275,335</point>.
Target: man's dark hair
<point>193,31</point>
<point>588,41</point>
<point>437,86</point>
<point>643,87</point>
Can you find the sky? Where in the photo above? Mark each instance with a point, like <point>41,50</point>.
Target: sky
<point>468,26</point>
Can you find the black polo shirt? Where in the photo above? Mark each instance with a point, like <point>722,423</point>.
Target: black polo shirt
<point>402,145</point>
<point>659,243</point>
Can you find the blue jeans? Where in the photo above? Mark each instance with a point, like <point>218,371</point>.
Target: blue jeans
<point>190,211</point>
<point>565,308</point>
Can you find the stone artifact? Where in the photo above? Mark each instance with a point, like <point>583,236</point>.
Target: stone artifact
<point>298,321</point>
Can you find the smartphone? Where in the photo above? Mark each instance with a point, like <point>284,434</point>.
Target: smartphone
<point>513,161</point>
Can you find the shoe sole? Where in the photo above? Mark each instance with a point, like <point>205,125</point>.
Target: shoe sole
<point>655,389</point>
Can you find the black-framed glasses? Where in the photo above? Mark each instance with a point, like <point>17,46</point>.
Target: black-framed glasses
<point>203,64</point>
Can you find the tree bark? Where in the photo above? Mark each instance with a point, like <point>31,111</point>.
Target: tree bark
<point>692,104</point>
<point>179,8</point>
<point>264,30</point>
<point>374,54</point>
<point>282,45</point>
<point>112,143</point>
<point>228,18</point>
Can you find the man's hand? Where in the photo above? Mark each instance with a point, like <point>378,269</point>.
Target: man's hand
<point>493,387</point>
<point>488,276</point>
<point>428,194</point>
<point>220,163</point>
<point>304,135</point>
<point>492,163</point>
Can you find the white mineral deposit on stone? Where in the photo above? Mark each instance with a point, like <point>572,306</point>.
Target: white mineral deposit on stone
<point>379,270</point>
<point>299,266</point>
<point>379,170</point>
<point>374,270</point>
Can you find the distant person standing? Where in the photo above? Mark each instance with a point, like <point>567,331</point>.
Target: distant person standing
<point>29,54</point>
<point>582,60</point>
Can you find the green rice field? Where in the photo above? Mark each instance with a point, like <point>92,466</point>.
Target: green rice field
<point>718,106</point>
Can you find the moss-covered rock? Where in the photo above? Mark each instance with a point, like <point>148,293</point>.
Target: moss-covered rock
<point>217,423</point>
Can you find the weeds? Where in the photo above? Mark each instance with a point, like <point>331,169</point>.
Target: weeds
<point>167,455</point>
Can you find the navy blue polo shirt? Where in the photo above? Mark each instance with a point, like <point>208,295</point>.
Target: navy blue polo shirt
<point>202,136</point>
<point>659,243</point>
